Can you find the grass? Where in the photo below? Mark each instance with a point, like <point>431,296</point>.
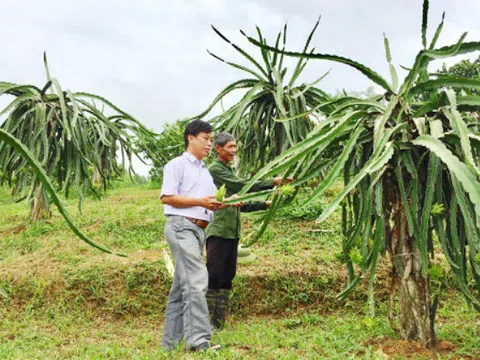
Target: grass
<point>342,334</point>
<point>59,298</point>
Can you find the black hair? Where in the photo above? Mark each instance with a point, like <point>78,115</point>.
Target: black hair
<point>194,128</point>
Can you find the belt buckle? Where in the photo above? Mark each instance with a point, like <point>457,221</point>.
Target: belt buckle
<point>198,222</point>
<point>201,223</point>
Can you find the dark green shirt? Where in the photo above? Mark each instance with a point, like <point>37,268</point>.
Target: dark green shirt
<point>226,222</point>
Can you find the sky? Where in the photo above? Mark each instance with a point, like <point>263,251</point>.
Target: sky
<point>149,56</point>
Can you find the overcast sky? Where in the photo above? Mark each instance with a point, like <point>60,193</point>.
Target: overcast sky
<point>149,56</point>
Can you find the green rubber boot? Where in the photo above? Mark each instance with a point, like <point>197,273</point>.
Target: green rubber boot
<point>211,302</point>
<point>221,307</point>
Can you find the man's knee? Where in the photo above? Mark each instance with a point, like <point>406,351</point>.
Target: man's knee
<point>198,283</point>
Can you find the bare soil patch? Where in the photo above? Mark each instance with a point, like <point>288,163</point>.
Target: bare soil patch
<point>389,348</point>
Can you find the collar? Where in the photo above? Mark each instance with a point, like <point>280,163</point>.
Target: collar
<point>223,164</point>
<point>192,158</point>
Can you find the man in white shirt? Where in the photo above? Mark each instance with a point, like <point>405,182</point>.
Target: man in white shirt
<point>188,195</point>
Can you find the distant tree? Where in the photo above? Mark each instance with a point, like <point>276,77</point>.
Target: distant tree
<point>165,146</point>
<point>465,69</point>
<point>368,93</point>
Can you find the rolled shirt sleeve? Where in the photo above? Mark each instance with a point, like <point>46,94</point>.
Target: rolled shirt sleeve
<point>171,180</point>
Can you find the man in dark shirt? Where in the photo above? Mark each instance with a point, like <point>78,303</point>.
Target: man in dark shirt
<point>223,233</point>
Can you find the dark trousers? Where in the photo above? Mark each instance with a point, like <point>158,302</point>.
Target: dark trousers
<point>221,262</point>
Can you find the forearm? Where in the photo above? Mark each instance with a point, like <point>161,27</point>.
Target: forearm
<point>180,201</point>
<point>235,184</point>
<point>262,185</point>
<point>254,206</point>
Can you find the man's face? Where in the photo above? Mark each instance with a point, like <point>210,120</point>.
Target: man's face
<point>226,152</point>
<point>201,144</point>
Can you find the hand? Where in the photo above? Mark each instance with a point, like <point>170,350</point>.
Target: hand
<point>268,203</point>
<point>211,203</point>
<point>233,197</point>
<point>279,179</point>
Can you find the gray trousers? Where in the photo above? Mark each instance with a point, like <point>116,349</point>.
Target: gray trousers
<point>186,315</point>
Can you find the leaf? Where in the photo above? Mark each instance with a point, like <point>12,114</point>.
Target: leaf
<point>63,108</point>
<point>241,84</point>
<point>424,23</point>
<point>379,127</point>
<point>319,136</point>
<point>266,54</point>
<point>19,100</point>
<point>447,51</point>
<point>241,51</point>
<point>387,49</point>
<point>460,129</point>
<point>309,86</point>
<point>411,215</point>
<point>268,216</point>
<point>466,177</point>
<point>336,168</point>
<point>45,63</point>
<point>372,75</point>
<point>256,196</point>
<point>437,33</point>
<point>357,102</point>
<point>394,76</point>
<point>436,129</point>
<point>279,93</point>
<point>472,232</point>
<point>299,68</point>
<point>380,234</point>
<point>76,110</point>
<point>388,55</point>
<point>443,82</point>
<point>433,169</point>
<point>46,87</point>
<point>240,67</point>
<point>374,164</point>
<point>468,101</point>
<point>439,227</point>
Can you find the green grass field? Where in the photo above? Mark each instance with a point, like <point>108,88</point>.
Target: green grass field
<point>60,298</point>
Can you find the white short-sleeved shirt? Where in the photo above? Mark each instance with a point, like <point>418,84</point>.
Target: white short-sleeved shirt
<point>186,175</point>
